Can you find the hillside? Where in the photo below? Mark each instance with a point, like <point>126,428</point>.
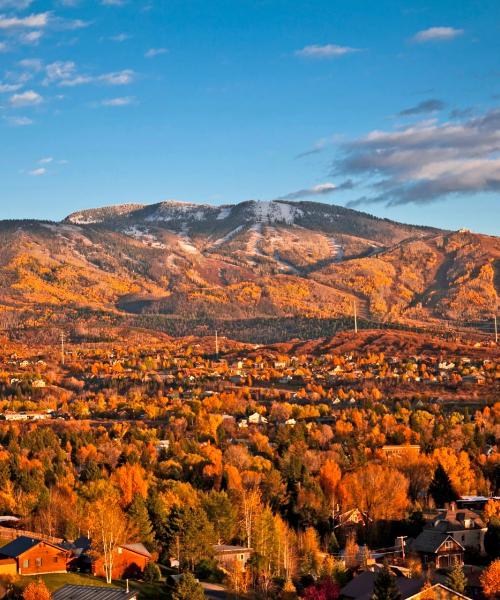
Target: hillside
<point>253,260</point>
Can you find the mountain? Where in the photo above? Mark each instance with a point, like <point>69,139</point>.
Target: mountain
<point>245,261</point>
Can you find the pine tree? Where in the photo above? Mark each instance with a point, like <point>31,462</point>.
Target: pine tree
<point>456,579</point>
<point>384,586</point>
<point>188,589</point>
<point>441,488</point>
<point>139,516</point>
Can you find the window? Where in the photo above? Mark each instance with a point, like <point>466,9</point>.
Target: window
<point>38,562</point>
<point>55,559</point>
<point>26,564</point>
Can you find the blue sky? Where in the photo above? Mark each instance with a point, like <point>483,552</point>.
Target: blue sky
<point>390,106</point>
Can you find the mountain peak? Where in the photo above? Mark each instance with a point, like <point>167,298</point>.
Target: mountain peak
<point>93,216</point>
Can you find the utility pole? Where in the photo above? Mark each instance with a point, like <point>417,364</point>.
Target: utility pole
<point>216,344</point>
<point>402,538</point>
<point>496,329</point>
<point>62,348</point>
<point>355,317</point>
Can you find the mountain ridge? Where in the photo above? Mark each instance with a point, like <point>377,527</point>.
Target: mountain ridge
<point>255,259</point>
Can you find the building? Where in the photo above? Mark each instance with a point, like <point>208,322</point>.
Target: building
<point>406,451</point>
<point>35,557</point>
<point>227,556</point>
<point>464,525</point>
<point>437,549</point>
<point>361,586</point>
<point>83,592</point>
<point>129,561</point>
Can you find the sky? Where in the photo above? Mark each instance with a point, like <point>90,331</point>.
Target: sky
<point>390,107</point>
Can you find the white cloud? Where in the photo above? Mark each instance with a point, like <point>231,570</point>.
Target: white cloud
<point>37,172</point>
<point>28,98</point>
<point>326,51</point>
<point>118,78</point>
<point>322,189</point>
<point>427,161</point>
<point>18,121</point>
<point>113,2</point>
<point>32,37</point>
<point>152,52</point>
<point>33,64</point>
<point>9,87</point>
<point>30,22</point>
<point>59,71</point>
<point>45,161</point>
<point>121,101</point>
<point>437,34</point>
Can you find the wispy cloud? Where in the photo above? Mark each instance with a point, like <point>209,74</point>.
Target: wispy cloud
<point>6,88</point>
<point>322,189</point>
<point>120,101</point>
<point>46,160</point>
<point>152,52</point>
<point>38,172</point>
<point>28,98</point>
<point>438,34</point>
<point>113,2</point>
<point>18,121</point>
<point>30,22</point>
<point>17,4</point>
<point>120,37</point>
<point>426,106</point>
<point>427,161</point>
<point>325,51</point>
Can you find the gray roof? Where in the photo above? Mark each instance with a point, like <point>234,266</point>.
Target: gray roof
<point>138,548</point>
<point>430,541</point>
<point>20,545</point>
<point>361,587</point>
<point>84,592</point>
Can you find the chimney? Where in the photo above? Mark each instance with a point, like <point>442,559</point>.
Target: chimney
<point>127,590</point>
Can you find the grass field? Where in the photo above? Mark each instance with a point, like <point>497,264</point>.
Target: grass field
<point>55,581</point>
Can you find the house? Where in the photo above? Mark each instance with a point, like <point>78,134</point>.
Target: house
<point>464,525</point>
<point>437,548</point>
<point>35,557</point>
<point>351,518</point>
<point>256,419</point>
<point>129,561</point>
<point>83,592</point>
<point>227,555</point>
<point>361,587</point>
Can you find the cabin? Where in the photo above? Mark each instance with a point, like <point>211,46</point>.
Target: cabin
<point>34,557</point>
<point>129,562</point>
<point>227,556</point>
<point>438,549</point>
<point>438,591</point>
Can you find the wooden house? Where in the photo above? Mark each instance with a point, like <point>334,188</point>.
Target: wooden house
<point>129,562</point>
<point>438,549</point>
<point>35,557</point>
<point>227,556</point>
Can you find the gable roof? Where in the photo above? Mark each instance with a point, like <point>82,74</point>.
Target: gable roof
<point>21,545</point>
<point>83,592</point>
<point>440,591</point>
<point>430,541</point>
<point>361,587</point>
<point>138,548</point>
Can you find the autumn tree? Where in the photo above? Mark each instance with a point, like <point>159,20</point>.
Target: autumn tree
<point>108,530</point>
<point>456,579</point>
<point>36,591</point>
<point>377,490</point>
<point>490,580</point>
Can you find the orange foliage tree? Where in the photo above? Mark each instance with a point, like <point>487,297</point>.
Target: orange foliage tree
<point>490,580</point>
<point>36,591</point>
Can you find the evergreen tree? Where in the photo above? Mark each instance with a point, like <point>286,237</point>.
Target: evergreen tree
<point>139,516</point>
<point>384,586</point>
<point>188,589</point>
<point>456,579</point>
<point>441,488</point>
<point>492,539</point>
